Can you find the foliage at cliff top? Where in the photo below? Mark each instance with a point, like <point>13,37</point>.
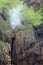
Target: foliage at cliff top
<point>30,17</point>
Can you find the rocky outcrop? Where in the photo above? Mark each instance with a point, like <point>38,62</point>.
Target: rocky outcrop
<point>32,2</point>
<point>5,58</point>
<point>24,46</point>
<point>39,31</point>
<point>6,35</point>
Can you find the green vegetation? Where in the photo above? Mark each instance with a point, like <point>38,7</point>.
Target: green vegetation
<point>30,17</point>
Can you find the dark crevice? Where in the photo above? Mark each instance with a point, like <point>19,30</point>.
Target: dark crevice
<point>13,48</point>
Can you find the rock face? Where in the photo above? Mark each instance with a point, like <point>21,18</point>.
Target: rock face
<point>22,48</point>
<point>39,31</point>
<point>39,36</point>
<point>6,36</point>
<point>5,39</point>
<point>32,2</point>
<point>23,43</point>
<point>5,58</point>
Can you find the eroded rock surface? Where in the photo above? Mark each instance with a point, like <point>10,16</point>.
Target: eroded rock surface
<point>24,51</point>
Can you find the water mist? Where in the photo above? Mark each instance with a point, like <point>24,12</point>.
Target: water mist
<point>16,16</point>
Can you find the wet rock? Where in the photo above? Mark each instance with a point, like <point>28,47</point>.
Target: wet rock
<point>21,47</point>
